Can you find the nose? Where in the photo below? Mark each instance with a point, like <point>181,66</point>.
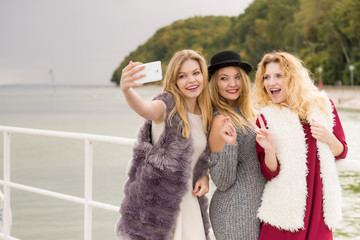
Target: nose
<point>232,82</point>
<point>272,80</point>
<point>192,78</point>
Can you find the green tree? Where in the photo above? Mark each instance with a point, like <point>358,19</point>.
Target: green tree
<point>322,33</point>
<point>196,33</point>
<point>280,29</point>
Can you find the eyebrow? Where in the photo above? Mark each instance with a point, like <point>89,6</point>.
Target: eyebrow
<point>196,69</point>
<point>223,74</point>
<point>274,73</point>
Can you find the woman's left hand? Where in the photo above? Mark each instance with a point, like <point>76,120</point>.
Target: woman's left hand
<point>320,132</point>
<point>201,186</point>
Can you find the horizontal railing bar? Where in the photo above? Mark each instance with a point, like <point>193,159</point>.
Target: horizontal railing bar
<point>45,192</point>
<point>70,135</point>
<point>104,206</point>
<point>8,237</point>
<point>348,165</point>
<point>61,196</point>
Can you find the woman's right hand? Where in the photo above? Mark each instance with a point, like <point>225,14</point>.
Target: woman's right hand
<point>150,110</point>
<point>265,140</point>
<point>228,131</point>
<point>222,131</point>
<point>263,135</point>
<point>128,78</point>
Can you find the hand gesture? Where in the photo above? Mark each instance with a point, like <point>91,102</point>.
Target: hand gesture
<point>128,77</point>
<point>320,132</point>
<point>263,135</point>
<point>228,131</point>
<point>201,186</point>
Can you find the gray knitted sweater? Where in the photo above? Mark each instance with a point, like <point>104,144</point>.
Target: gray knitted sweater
<point>236,173</point>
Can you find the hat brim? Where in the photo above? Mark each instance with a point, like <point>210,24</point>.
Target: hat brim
<point>247,67</point>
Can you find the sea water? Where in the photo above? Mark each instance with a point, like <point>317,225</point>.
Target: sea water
<point>58,164</point>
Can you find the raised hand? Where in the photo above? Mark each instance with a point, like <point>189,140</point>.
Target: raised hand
<point>150,110</point>
<point>320,132</point>
<point>228,131</point>
<point>263,135</point>
<point>128,77</point>
<point>265,140</point>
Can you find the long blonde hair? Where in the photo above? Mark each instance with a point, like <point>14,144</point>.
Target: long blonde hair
<point>170,79</point>
<point>243,102</point>
<point>302,92</point>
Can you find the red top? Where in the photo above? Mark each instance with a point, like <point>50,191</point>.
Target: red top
<point>314,226</point>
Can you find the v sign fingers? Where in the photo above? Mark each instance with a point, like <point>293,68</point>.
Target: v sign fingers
<point>262,124</point>
<point>263,135</point>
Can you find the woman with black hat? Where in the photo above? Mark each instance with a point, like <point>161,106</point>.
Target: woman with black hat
<point>234,167</point>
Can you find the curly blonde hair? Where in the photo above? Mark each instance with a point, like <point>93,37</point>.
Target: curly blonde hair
<point>170,86</point>
<point>302,92</point>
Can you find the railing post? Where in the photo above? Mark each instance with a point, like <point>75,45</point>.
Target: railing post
<point>88,189</point>
<point>7,214</point>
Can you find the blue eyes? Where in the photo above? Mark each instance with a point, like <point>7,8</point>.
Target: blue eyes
<point>277,76</point>
<point>195,74</point>
<point>237,77</point>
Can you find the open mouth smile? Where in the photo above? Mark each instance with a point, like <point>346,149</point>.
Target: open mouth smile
<point>275,91</point>
<point>192,88</point>
<point>232,91</point>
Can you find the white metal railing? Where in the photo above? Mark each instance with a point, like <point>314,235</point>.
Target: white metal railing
<point>87,201</point>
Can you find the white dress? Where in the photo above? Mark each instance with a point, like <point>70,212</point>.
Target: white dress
<point>189,223</point>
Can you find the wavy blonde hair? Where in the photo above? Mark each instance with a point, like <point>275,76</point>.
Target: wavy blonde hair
<point>302,92</point>
<point>170,79</point>
<point>243,102</point>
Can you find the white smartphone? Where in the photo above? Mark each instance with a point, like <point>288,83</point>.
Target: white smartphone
<point>152,72</point>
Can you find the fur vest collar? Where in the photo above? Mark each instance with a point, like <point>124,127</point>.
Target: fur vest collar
<point>157,181</point>
<point>284,198</point>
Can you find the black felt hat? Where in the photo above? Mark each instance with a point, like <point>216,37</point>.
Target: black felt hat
<point>225,59</point>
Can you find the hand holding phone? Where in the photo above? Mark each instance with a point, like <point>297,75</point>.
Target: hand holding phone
<point>152,72</point>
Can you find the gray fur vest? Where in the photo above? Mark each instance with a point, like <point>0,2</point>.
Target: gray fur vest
<point>157,181</point>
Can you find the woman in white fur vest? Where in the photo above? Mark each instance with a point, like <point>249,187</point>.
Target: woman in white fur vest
<point>299,136</point>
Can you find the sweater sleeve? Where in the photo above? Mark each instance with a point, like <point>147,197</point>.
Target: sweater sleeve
<point>339,133</point>
<point>261,156</point>
<point>223,166</point>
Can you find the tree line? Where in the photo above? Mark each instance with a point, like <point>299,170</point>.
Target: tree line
<point>323,33</point>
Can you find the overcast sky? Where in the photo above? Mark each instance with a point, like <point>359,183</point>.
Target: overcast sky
<point>83,41</point>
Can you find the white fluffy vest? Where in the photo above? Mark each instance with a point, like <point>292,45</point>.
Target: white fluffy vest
<point>284,198</point>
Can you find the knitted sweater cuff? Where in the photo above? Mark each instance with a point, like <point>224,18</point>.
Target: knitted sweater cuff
<point>229,151</point>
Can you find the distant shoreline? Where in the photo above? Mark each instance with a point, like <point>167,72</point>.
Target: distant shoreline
<point>344,97</point>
